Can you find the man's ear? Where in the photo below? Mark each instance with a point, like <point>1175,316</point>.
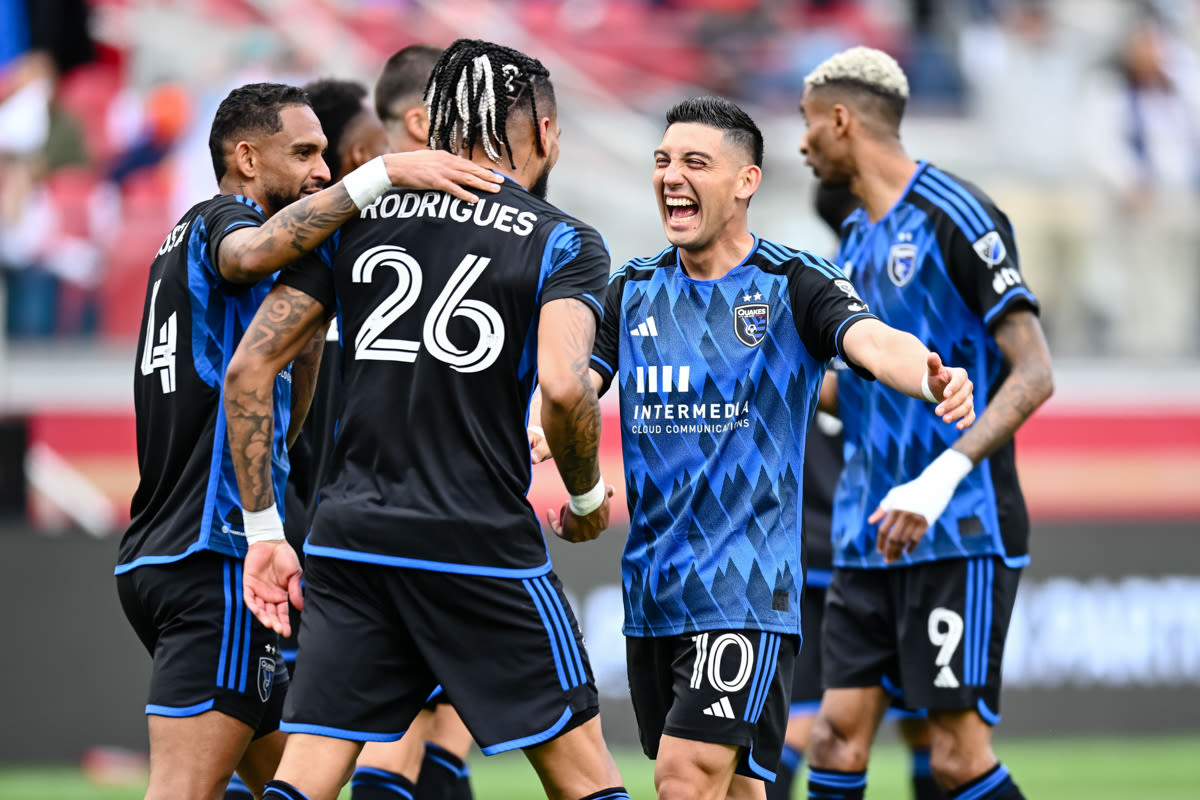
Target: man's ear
<point>245,159</point>
<point>416,123</point>
<point>841,118</point>
<point>543,135</point>
<point>749,179</point>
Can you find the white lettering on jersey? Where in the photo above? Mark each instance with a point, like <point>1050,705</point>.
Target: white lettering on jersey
<point>160,355</point>
<point>485,213</point>
<point>174,238</point>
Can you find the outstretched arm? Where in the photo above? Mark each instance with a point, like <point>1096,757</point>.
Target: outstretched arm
<point>248,255</point>
<point>284,324</point>
<point>571,416</point>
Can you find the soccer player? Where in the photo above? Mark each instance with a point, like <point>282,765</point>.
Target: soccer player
<point>400,96</point>
<point>438,766</point>
<point>718,345</point>
<point>217,680</point>
<point>930,529</point>
<point>822,465</point>
<point>426,564</point>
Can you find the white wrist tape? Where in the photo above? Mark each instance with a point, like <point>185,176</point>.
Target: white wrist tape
<point>263,526</point>
<point>538,429</point>
<point>929,493</point>
<point>583,504</point>
<point>368,182</point>
<point>925,390</point>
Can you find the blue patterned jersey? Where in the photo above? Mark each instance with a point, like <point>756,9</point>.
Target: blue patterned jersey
<point>718,385</point>
<point>941,265</point>
<point>187,496</point>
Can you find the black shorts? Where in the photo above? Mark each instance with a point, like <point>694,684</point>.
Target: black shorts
<point>806,678</point>
<point>933,631</point>
<point>375,641</point>
<point>209,651</point>
<point>726,687</point>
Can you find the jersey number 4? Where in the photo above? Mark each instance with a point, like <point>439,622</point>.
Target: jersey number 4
<point>160,354</point>
<point>370,343</point>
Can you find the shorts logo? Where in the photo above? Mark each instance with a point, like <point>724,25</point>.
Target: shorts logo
<point>750,321</point>
<point>990,248</point>
<point>266,677</point>
<point>721,709</point>
<point>902,263</point>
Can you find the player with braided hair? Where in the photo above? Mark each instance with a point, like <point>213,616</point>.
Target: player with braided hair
<point>426,564</point>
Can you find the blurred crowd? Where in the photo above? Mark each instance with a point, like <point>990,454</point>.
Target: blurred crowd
<point>1080,117</point>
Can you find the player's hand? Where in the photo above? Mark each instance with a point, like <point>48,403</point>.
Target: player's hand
<point>907,511</point>
<point>442,171</point>
<point>899,531</point>
<point>271,577</point>
<point>954,390</point>
<point>539,448</point>
<point>566,525</point>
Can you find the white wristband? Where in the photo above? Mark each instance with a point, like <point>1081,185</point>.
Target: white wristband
<point>929,493</point>
<point>583,504</point>
<point>366,183</point>
<point>925,390</point>
<point>263,526</point>
<point>538,429</point>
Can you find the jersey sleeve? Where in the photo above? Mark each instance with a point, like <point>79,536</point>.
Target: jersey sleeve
<point>575,264</point>
<point>986,271</point>
<point>312,276</point>
<point>604,352</point>
<point>227,214</point>
<point>826,305</point>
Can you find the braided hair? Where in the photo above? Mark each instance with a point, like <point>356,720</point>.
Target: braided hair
<point>474,87</point>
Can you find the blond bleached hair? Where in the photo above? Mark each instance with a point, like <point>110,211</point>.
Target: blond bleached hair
<point>873,69</point>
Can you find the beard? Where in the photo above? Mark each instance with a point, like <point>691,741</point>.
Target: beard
<point>542,184</point>
<point>279,199</point>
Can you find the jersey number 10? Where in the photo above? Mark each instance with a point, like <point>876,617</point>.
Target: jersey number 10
<point>371,345</point>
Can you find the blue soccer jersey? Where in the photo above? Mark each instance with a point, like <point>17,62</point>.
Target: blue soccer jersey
<point>942,265</point>
<point>718,384</point>
<point>187,496</point>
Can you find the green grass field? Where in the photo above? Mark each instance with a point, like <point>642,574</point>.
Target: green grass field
<point>1163,768</point>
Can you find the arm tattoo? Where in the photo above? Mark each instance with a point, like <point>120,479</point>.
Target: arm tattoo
<point>573,431</point>
<point>304,382</point>
<point>294,231</point>
<point>280,329</point>
<point>1029,382</point>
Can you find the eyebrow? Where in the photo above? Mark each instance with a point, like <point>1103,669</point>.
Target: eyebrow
<point>688,154</point>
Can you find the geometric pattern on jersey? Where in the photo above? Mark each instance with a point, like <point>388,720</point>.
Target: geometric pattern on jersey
<point>718,383</point>
<point>187,497</point>
<point>942,265</point>
<point>438,304</point>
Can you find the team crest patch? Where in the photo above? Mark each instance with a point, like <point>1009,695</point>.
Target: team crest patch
<point>266,677</point>
<point>750,322</point>
<point>990,248</point>
<point>848,289</point>
<point>902,263</point>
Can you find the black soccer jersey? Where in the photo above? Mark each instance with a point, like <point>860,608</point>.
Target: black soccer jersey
<point>187,497</point>
<point>437,304</point>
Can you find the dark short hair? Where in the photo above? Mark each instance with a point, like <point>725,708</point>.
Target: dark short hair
<point>722,114</point>
<point>335,103</point>
<point>512,82</point>
<point>250,110</point>
<point>404,77</point>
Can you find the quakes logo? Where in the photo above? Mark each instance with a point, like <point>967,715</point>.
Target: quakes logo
<point>750,322</point>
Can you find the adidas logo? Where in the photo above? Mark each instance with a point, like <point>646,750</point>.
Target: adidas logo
<point>945,679</point>
<point>647,328</point>
<point>721,709</point>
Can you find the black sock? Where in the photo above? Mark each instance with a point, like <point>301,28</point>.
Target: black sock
<point>237,789</point>
<point>440,774</point>
<point>282,790</point>
<point>995,784</point>
<point>924,786</point>
<point>372,783</point>
<point>832,784</point>
<point>462,789</point>
<point>789,764</point>
<point>611,793</point>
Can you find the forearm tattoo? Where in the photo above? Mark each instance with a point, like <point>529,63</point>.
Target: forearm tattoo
<point>277,332</point>
<point>576,439</point>
<point>301,226</point>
